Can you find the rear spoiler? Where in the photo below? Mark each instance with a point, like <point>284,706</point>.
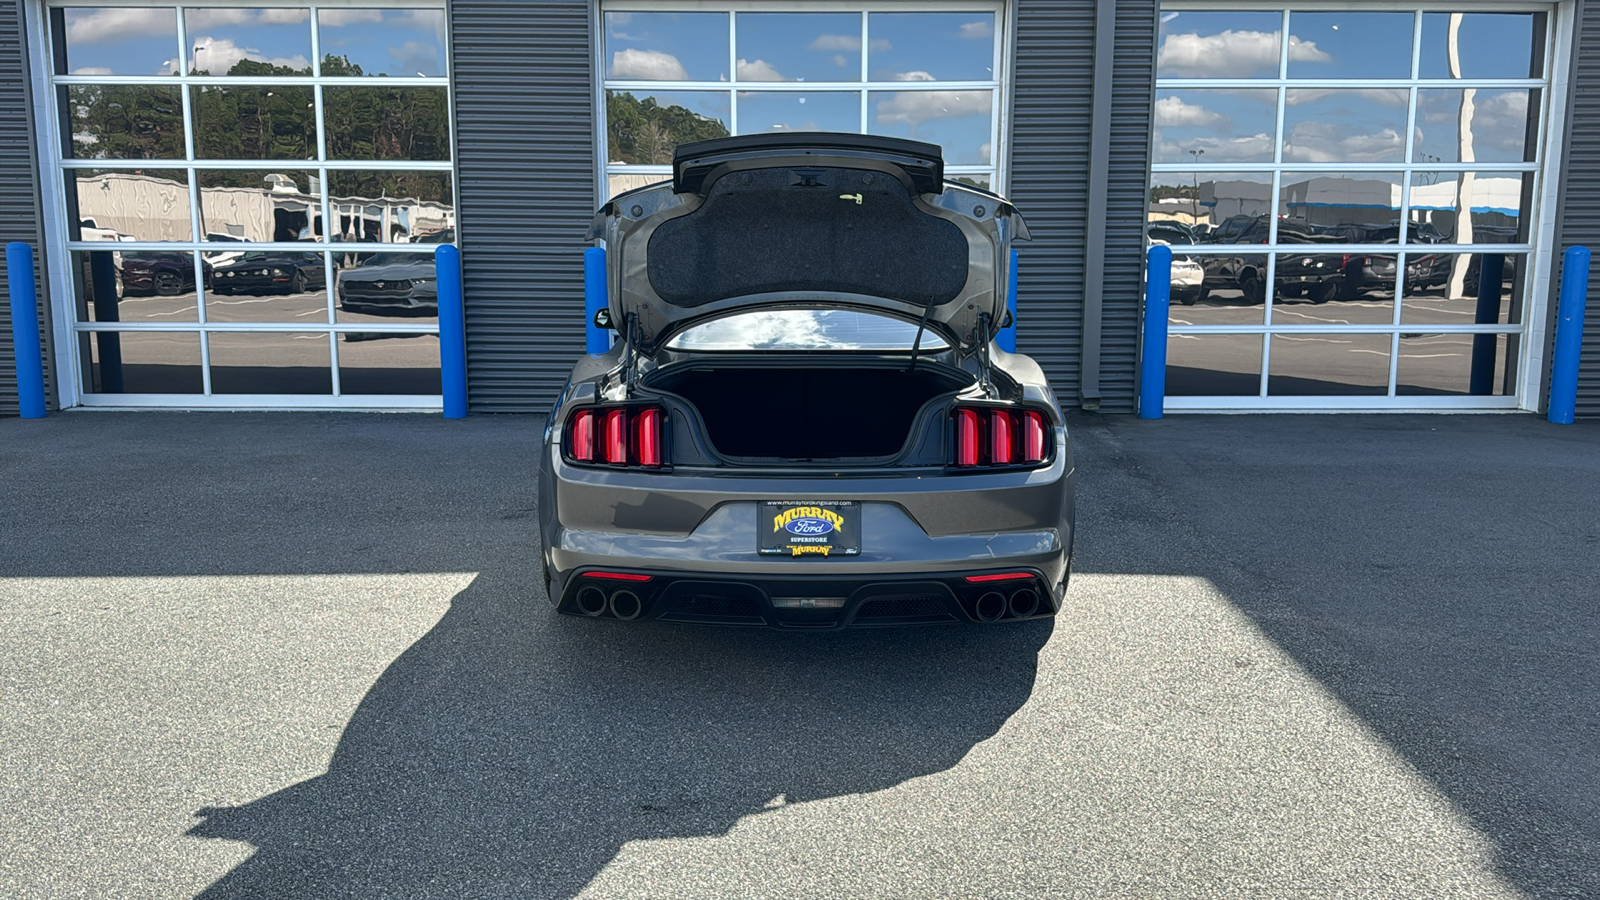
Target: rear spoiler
<point>922,163</point>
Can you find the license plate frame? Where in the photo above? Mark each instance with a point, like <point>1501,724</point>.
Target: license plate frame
<point>816,529</point>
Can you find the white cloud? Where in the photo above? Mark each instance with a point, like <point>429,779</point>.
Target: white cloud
<point>218,55</point>
<point>1333,142</point>
<point>282,16</point>
<point>1231,54</point>
<point>211,18</point>
<point>758,70</point>
<point>983,151</point>
<point>618,18</point>
<point>1380,96</point>
<point>1172,111</point>
<point>337,17</point>
<point>979,29</point>
<point>1242,148</point>
<point>840,60</point>
<point>420,57</point>
<point>918,75</point>
<point>647,65</point>
<point>92,70</point>
<point>850,42</point>
<point>915,107</point>
<point>118,23</point>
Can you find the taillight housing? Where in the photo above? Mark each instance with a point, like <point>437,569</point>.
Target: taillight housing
<point>991,437</point>
<point>620,436</point>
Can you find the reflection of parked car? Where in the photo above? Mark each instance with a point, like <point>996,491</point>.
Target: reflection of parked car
<point>390,283</point>
<point>1188,276</point>
<point>222,257</point>
<point>1316,276</point>
<point>161,272</point>
<point>269,270</point>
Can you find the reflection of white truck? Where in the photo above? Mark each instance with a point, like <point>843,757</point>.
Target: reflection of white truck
<point>1188,278</point>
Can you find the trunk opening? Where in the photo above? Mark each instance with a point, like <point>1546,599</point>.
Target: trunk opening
<point>808,413</point>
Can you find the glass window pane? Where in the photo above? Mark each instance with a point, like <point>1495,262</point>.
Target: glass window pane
<point>620,182</point>
<point>1219,45</point>
<point>250,122</point>
<point>270,363</point>
<point>1350,44</point>
<point>402,43</point>
<point>1335,125</point>
<point>1472,207</point>
<point>650,46</point>
<point>143,362</point>
<point>1488,45</point>
<point>799,46</point>
<point>390,207</point>
<point>977,181</point>
<point>1334,289</point>
<point>1192,207</point>
<point>1310,365</point>
<point>959,121</point>
<point>282,286</point>
<point>152,205</point>
<point>1449,288</point>
<point>391,287</point>
<point>645,130</point>
<point>1478,125</point>
<point>1474,364</point>
<point>1234,291</point>
<point>925,46</point>
<point>282,205</point>
<point>805,329</point>
<point>136,286</point>
<point>770,111</point>
<point>253,42</point>
<point>125,121</point>
<point>373,363</point>
<point>1215,126</point>
<point>119,40</point>
<point>1319,207</point>
<point>390,123</point>
<point>1214,365</point>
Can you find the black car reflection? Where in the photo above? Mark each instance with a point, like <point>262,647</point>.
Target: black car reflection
<point>161,272</point>
<point>392,284</point>
<point>1301,272</point>
<point>270,272</point>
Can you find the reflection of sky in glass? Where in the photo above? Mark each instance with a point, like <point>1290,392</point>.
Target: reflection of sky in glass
<point>1224,125</point>
<point>804,329</point>
<point>767,111</point>
<point>1219,45</point>
<point>931,46</point>
<point>799,46</point>
<point>1350,45</point>
<point>1489,45</point>
<point>666,46</point>
<point>1345,125</point>
<point>385,42</point>
<point>958,121</point>
<point>220,38</point>
<point>120,41</point>
<point>1499,125</point>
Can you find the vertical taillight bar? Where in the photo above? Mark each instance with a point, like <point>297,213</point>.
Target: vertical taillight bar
<point>1000,438</point>
<point>648,438</point>
<point>966,437</point>
<point>583,435</point>
<point>616,437</point>
<point>1032,436</point>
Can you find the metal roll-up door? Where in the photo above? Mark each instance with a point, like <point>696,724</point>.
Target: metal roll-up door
<point>1580,215</point>
<point>19,190</point>
<point>525,154</point>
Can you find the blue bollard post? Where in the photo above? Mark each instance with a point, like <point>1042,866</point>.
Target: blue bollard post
<point>25,330</point>
<point>596,339</point>
<point>1153,361</point>
<point>1569,335</point>
<point>452,331</point>
<point>1007,338</point>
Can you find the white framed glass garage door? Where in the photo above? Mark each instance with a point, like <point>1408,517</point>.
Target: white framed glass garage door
<point>1354,210</point>
<point>246,200</point>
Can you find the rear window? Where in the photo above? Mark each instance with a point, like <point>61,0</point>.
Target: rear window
<point>804,329</point>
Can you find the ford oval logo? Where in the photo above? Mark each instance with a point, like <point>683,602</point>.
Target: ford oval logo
<point>807,525</point>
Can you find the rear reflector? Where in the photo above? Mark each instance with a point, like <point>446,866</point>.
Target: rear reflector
<point>617,576</point>
<point>1000,576</point>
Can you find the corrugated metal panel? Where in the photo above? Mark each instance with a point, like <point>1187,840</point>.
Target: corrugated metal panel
<point>1580,215</point>
<point>19,186</point>
<point>1050,135</point>
<point>525,153</point>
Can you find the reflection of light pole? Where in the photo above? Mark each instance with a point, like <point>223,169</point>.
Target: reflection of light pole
<point>1194,200</point>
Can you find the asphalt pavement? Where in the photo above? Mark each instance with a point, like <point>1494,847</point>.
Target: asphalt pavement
<point>304,655</point>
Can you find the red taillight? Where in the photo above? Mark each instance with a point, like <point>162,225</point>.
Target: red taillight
<point>1000,438</point>
<point>647,438</point>
<point>582,428</point>
<point>617,437</point>
<point>1032,436</point>
<point>966,437</point>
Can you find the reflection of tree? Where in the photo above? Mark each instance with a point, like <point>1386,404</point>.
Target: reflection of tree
<point>126,121</point>
<point>641,132</point>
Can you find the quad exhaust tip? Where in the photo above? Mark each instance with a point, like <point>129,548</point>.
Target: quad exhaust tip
<point>626,605</point>
<point>990,606</point>
<point>591,601</point>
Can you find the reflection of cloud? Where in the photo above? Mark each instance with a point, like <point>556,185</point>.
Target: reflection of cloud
<point>88,27</point>
<point>983,151</point>
<point>1499,120</point>
<point>91,70</point>
<point>218,55</point>
<point>1231,54</point>
<point>840,60</point>
<point>1172,111</point>
<point>915,107</point>
<point>211,18</point>
<point>416,56</point>
<point>618,18</point>
<point>1337,142</point>
<point>647,65</point>
<point>980,29</point>
<point>758,70</point>
<point>918,75</point>
<point>337,17</point>
<point>1380,96</point>
<point>1243,148</point>
<point>850,42</point>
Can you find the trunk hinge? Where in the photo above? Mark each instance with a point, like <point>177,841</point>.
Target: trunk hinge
<point>985,364</point>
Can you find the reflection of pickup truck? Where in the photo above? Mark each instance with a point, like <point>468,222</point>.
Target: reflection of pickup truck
<point>1318,276</point>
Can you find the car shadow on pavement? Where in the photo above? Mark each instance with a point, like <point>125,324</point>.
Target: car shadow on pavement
<point>513,752</point>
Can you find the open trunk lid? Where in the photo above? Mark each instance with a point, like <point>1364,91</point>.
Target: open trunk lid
<point>811,219</point>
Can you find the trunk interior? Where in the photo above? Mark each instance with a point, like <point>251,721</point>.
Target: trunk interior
<point>809,413</point>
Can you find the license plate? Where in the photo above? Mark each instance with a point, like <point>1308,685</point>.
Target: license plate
<point>822,528</point>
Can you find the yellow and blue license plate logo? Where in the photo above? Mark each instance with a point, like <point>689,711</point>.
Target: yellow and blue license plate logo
<point>809,528</point>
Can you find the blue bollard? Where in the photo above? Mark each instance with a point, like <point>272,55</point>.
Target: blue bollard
<point>1153,361</point>
<point>1491,274</point>
<point>452,331</point>
<point>25,330</point>
<point>596,339</point>
<point>1007,338</point>
<point>1569,335</point>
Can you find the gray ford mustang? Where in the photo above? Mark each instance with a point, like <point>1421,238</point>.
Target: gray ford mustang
<point>805,421</point>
